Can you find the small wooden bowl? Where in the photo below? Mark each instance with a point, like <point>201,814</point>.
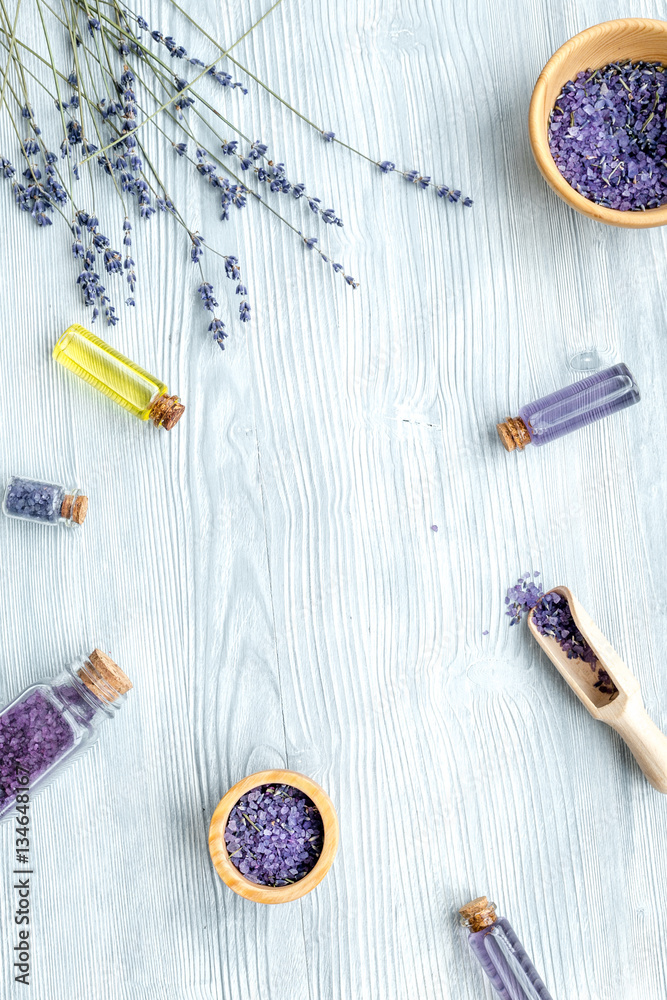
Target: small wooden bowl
<point>627,38</point>
<point>267,893</point>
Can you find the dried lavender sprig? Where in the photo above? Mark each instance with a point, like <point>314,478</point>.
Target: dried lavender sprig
<point>444,191</point>
<point>102,160</point>
<point>93,290</point>
<point>38,196</point>
<point>216,326</point>
<point>233,271</point>
<point>423,182</point>
<point>266,171</point>
<point>203,168</point>
<point>189,85</point>
<point>128,163</point>
<point>275,176</point>
<point>12,43</point>
<point>179,52</point>
<point>52,188</point>
<point>77,133</point>
<point>128,263</point>
<point>272,173</point>
<point>58,189</point>
<point>133,185</point>
<point>88,280</point>
<point>116,3</point>
<point>197,241</point>
<point>230,194</point>
<point>28,199</point>
<point>75,80</point>
<point>309,242</point>
<point>55,74</point>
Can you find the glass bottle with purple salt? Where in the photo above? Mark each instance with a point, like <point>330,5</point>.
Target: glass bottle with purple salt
<point>44,503</point>
<point>500,953</point>
<point>51,721</point>
<point>570,408</point>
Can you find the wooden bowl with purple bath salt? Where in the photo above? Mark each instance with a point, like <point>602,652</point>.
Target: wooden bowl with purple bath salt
<point>597,122</point>
<point>274,836</point>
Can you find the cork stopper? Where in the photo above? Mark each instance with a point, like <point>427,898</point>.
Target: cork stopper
<point>104,677</point>
<point>74,510</point>
<point>166,411</point>
<point>478,914</point>
<point>513,433</point>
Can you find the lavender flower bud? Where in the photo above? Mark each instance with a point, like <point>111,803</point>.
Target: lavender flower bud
<point>217,328</point>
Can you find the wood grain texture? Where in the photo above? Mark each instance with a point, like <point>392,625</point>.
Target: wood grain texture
<point>266,572</point>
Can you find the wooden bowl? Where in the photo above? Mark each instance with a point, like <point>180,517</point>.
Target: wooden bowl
<point>266,893</point>
<point>627,38</point>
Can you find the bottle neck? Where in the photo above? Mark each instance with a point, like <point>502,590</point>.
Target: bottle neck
<point>103,678</point>
<point>92,688</point>
<point>73,695</point>
<point>513,433</point>
<point>478,914</point>
<point>74,507</point>
<point>165,411</point>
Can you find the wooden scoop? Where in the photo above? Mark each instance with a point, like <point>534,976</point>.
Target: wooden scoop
<point>623,709</point>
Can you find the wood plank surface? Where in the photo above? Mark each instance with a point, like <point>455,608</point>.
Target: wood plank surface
<point>267,574</point>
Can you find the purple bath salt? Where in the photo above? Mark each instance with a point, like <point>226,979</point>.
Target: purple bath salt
<point>274,835</point>
<point>608,135</point>
<point>33,735</point>
<point>37,501</point>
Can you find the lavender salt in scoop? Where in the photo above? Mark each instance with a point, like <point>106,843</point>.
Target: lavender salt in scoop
<point>49,722</point>
<point>552,616</point>
<point>44,503</point>
<point>608,135</point>
<point>274,835</point>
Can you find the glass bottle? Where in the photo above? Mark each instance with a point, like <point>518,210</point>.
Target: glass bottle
<point>45,503</point>
<point>51,721</point>
<point>570,408</point>
<point>501,954</point>
<point>117,377</point>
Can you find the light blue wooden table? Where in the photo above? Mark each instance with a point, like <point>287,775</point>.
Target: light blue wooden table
<point>267,574</point>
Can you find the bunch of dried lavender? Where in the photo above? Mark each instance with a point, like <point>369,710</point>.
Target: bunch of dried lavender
<point>126,76</point>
